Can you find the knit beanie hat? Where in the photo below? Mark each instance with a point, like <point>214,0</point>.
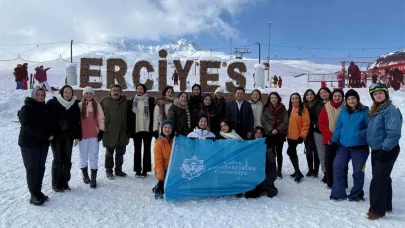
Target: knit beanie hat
<point>171,123</point>
<point>88,89</point>
<point>166,89</point>
<point>353,93</point>
<point>219,90</point>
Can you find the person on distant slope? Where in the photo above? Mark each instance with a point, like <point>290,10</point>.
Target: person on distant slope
<point>175,77</point>
<point>297,131</point>
<point>42,77</point>
<point>275,123</point>
<point>66,131</point>
<point>353,72</point>
<point>25,75</point>
<point>19,77</point>
<point>350,134</point>
<point>280,82</point>
<point>92,123</point>
<point>275,81</point>
<point>115,138</point>
<point>140,128</point>
<point>162,152</point>
<point>397,79</point>
<point>33,140</point>
<point>383,135</point>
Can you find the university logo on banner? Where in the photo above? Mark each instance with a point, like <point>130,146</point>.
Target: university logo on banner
<point>206,168</point>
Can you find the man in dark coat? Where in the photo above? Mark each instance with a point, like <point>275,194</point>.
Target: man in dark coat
<point>19,76</point>
<point>240,113</point>
<point>353,72</point>
<point>115,136</point>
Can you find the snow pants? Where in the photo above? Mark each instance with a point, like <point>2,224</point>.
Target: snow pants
<point>62,161</point>
<point>34,162</point>
<point>359,156</point>
<point>89,153</point>
<point>382,163</point>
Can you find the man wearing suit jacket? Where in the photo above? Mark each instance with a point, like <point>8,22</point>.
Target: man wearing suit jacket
<point>240,113</point>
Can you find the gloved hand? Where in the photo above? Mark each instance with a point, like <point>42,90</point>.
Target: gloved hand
<point>100,135</point>
<point>76,142</point>
<point>159,190</point>
<point>155,134</point>
<point>300,140</point>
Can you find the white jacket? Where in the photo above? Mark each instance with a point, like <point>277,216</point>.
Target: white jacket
<point>201,134</point>
<point>257,113</point>
<point>157,122</point>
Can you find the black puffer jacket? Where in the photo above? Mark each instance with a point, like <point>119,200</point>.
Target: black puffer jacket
<point>221,108</point>
<point>314,112</point>
<point>35,124</point>
<point>64,123</point>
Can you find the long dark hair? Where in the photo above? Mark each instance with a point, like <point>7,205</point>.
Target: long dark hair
<point>227,122</point>
<point>318,94</point>
<point>83,112</point>
<point>304,98</point>
<point>300,105</point>
<point>275,94</point>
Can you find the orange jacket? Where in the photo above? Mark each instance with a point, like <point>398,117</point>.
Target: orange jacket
<point>162,150</point>
<point>298,125</point>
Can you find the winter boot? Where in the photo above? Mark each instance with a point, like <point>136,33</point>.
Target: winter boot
<point>310,163</point>
<point>144,174</point>
<point>85,173</point>
<point>298,177</point>
<point>315,173</point>
<point>118,172</point>
<point>42,196</point>
<point>57,188</point>
<point>66,188</point>
<point>35,200</point>
<point>138,174</point>
<point>279,175</point>
<point>93,183</point>
<point>292,175</point>
<point>324,180</point>
<point>110,174</point>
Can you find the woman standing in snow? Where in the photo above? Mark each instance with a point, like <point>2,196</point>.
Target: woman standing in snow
<point>92,123</point>
<point>201,131</point>
<point>275,123</point>
<point>383,134</point>
<point>257,107</point>
<point>227,132</point>
<point>180,114</point>
<point>208,109</point>
<point>314,107</point>
<point>297,131</point>
<point>162,106</point>
<point>324,94</point>
<point>66,131</point>
<point>162,151</point>
<point>350,134</point>
<point>220,103</point>
<point>34,142</point>
<point>140,123</point>
<point>327,123</point>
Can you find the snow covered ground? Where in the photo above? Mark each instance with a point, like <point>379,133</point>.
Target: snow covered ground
<point>129,202</point>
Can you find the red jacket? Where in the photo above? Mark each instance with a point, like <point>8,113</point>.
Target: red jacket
<point>323,123</point>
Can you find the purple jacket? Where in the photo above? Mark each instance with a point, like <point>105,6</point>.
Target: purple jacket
<point>41,75</point>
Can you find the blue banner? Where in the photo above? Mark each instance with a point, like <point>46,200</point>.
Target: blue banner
<point>206,168</point>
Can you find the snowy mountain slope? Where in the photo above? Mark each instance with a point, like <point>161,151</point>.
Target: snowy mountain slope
<point>180,45</point>
<point>129,202</point>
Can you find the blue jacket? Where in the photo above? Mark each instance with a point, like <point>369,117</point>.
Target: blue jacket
<point>384,129</point>
<point>351,128</point>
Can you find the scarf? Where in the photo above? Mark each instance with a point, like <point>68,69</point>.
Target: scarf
<point>145,105</point>
<point>161,102</point>
<point>230,135</point>
<point>333,109</point>
<point>183,105</point>
<point>276,112</point>
<point>65,103</point>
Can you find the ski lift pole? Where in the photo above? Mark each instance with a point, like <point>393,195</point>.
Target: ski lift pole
<point>307,78</point>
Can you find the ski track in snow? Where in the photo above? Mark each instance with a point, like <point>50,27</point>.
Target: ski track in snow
<point>129,202</point>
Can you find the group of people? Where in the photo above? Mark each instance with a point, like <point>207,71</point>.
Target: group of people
<point>21,76</point>
<point>390,77</point>
<point>335,128</point>
<point>277,81</point>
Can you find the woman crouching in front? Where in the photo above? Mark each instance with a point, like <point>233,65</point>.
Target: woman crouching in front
<point>162,151</point>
